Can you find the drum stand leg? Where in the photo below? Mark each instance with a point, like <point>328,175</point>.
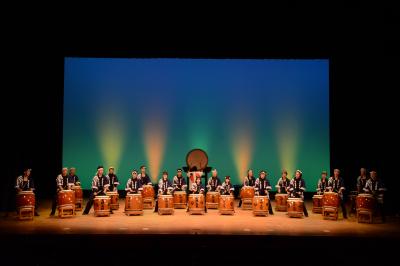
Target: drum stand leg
<point>26,213</point>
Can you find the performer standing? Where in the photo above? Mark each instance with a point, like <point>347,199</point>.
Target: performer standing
<point>297,187</point>
<point>113,179</point>
<point>179,182</point>
<point>25,182</point>
<point>376,187</point>
<point>283,183</point>
<point>62,182</point>
<point>73,179</point>
<point>322,183</point>
<point>133,185</point>
<point>100,185</point>
<point>336,184</point>
<point>164,187</point>
<point>214,183</point>
<point>227,187</point>
<point>144,178</point>
<point>262,187</point>
<point>249,180</point>
<point>362,180</point>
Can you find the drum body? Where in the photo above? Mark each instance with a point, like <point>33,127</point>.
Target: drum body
<point>165,204</point>
<point>180,199</point>
<point>134,204</point>
<point>114,199</point>
<point>247,192</point>
<point>281,202</point>
<point>102,206</point>
<point>25,205</point>
<point>66,203</point>
<point>212,200</point>
<point>260,205</point>
<point>78,197</point>
<point>148,196</point>
<point>295,207</point>
<point>330,200</point>
<point>365,202</point>
<point>196,203</point>
<point>317,204</point>
<point>226,204</point>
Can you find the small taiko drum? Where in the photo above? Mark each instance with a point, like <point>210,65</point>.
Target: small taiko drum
<point>148,191</point>
<point>196,203</point>
<point>365,202</point>
<point>247,192</point>
<point>25,199</point>
<point>281,202</point>
<point>180,199</point>
<point>102,206</point>
<point>317,204</point>
<point>295,207</point>
<point>165,204</point>
<point>226,204</point>
<point>78,197</point>
<point>134,204</point>
<point>212,200</point>
<point>114,199</point>
<point>66,198</point>
<point>260,205</point>
<point>330,200</point>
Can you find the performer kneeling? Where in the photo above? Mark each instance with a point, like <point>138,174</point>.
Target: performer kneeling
<point>227,187</point>
<point>336,184</point>
<point>263,187</point>
<point>164,187</point>
<point>100,185</point>
<point>296,189</point>
<point>133,185</point>
<point>25,183</point>
<point>376,187</point>
<point>249,180</point>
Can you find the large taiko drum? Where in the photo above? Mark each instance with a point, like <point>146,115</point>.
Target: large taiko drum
<point>180,199</point>
<point>66,198</point>
<point>196,203</point>
<point>295,207</point>
<point>226,204</point>
<point>102,206</point>
<point>212,200</point>
<point>260,205</point>
<point>247,192</point>
<point>281,201</point>
<point>317,203</point>
<point>114,199</point>
<point>330,200</point>
<point>365,202</point>
<point>165,204</point>
<point>25,199</point>
<point>133,204</point>
<point>148,191</point>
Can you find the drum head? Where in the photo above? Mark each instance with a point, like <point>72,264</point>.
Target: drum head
<point>197,158</point>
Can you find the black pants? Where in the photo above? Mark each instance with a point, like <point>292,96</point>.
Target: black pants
<point>54,205</point>
<point>305,209</point>
<point>342,205</point>
<point>380,208</point>
<point>89,204</point>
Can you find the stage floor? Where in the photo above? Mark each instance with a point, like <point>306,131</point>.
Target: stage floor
<point>212,223</point>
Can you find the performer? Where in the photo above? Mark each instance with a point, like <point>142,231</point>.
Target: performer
<point>113,179</point>
<point>263,187</point>
<point>336,184</point>
<point>214,184</point>
<point>197,186</point>
<point>62,182</point>
<point>283,183</point>
<point>322,183</point>
<point>179,182</point>
<point>144,178</point>
<point>227,187</point>
<point>133,185</point>
<point>73,179</point>
<point>164,187</point>
<point>249,180</point>
<point>376,187</point>
<point>100,186</point>
<point>25,182</point>
<point>362,180</point>
<point>297,187</point>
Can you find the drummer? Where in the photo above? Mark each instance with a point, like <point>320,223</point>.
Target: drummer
<point>322,183</point>
<point>25,182</point>
<point>249,181</point>
<point>362,180</point>
<point>214,183</point>
<point>283,183</point>
<point>113,179</point>
<point>227,187</point>
<point>62,183</point>
<point>73,179</point>
<point>297,188</point>
<point>179,182</point>
<point>100,185</point>
<point>133,186</point>
<point>263,187</point>
<point>143,177</point>
<point>197,186</point>
<point>336,184</point>
<point>164,187</point>
<point>376,187</point>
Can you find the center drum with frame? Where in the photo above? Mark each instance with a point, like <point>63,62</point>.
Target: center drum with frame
<point>165,204</point>
<point>281,202</point>
<point>226,204</point>
<point>295,207</point>
<point>102,206</point>
<point>114,199</point>
<point>260,205</point>
<point>317,203</point>
<point>180,199</point>
<point>247,194</point>
<point>196,203</point>
<point>134,204</point>
<point>66,203</point>
<point>212,200</point>
<point>148,196</point>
